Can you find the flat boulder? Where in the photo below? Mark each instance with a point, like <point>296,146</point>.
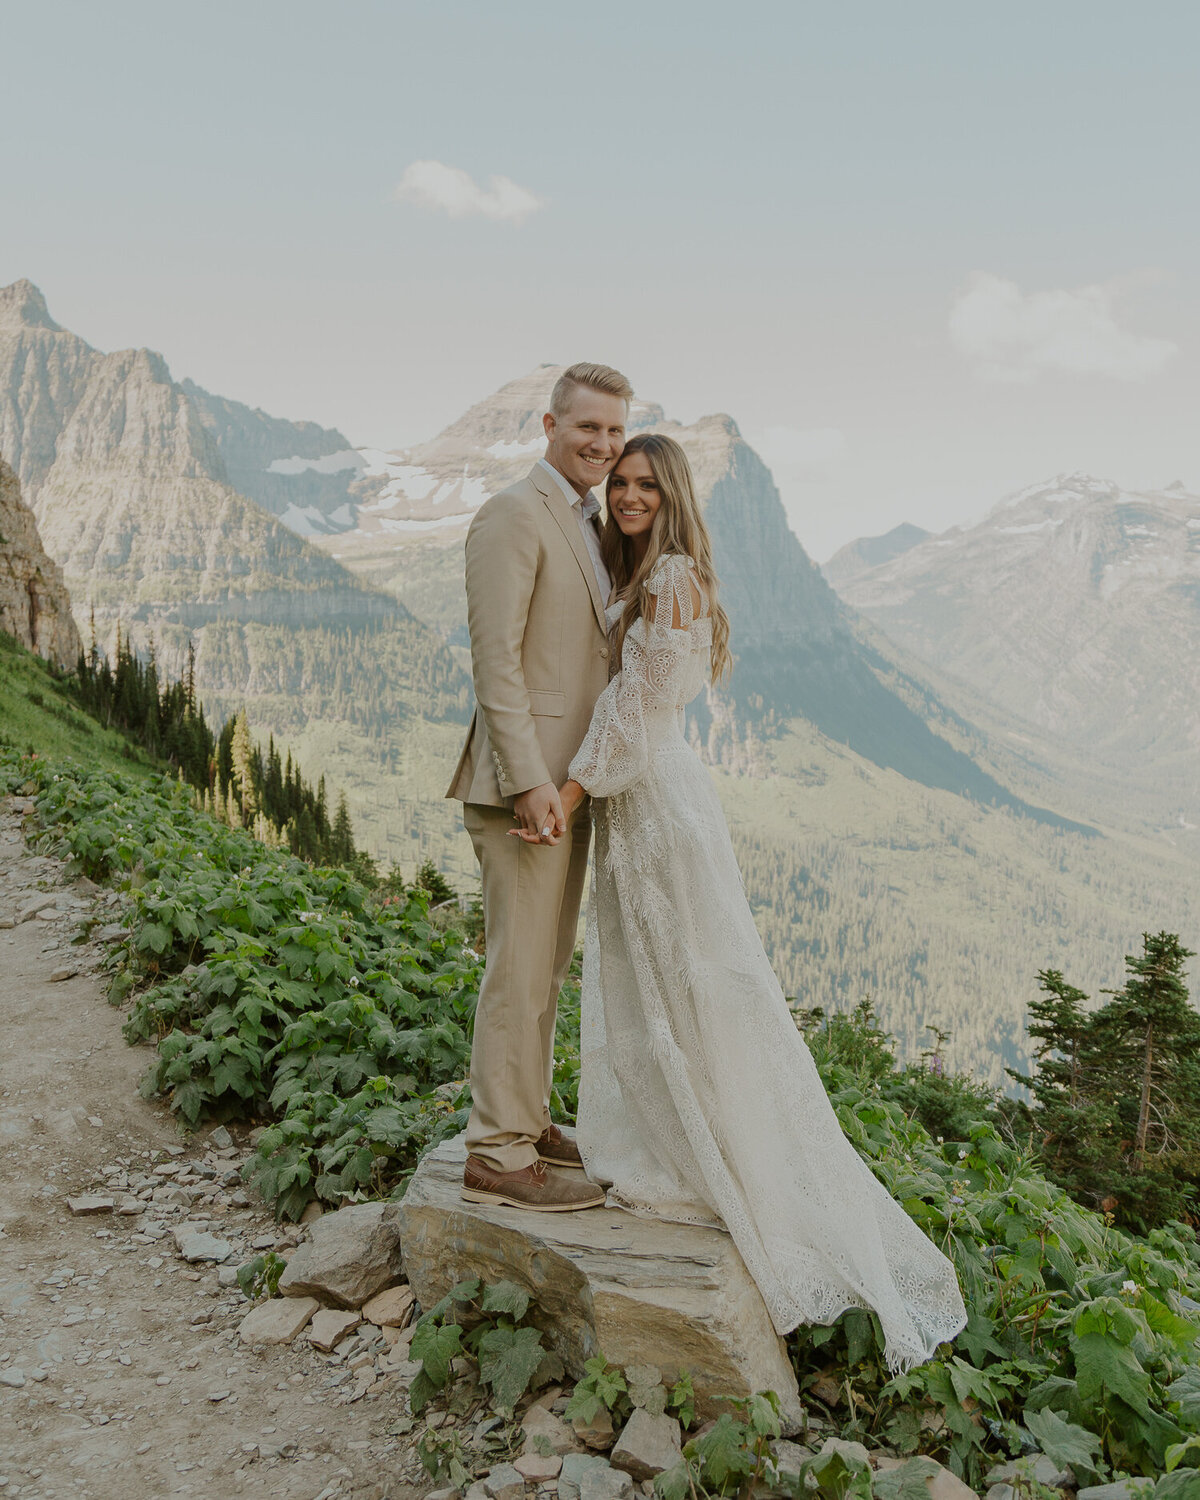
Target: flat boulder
<point>640,1291</point>
<point>349,1256</point>
<point>276,1321</point>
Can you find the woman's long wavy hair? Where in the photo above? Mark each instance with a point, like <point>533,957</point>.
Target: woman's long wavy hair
<point>678,527</point>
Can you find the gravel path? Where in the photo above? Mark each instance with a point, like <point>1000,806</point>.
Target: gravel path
<point>121,1370</point>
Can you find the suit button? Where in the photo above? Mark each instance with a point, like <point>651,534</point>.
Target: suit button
<point>603,650</point>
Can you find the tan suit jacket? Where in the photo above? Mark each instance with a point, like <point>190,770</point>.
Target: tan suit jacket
<point>539,647</point>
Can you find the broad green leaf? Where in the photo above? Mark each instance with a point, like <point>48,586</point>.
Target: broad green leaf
<point>724,1454</point>
<point>1105,1367</point>
<point>435,1346</point>
<point>1185,1396</point>
<point>505,1297</point>
<point>908,1482</point>
<point>508,1361</point>
<point>674,1483</point>
<point>1069,1445</point>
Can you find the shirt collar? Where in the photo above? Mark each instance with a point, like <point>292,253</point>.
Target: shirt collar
<point>588,504</point>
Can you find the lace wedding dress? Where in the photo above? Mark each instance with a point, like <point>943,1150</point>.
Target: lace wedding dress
<point>698,1099</point>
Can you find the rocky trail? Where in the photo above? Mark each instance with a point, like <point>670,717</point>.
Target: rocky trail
<point>122,1370</point>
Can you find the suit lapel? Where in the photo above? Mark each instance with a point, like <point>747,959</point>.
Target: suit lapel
<point>564,514</point>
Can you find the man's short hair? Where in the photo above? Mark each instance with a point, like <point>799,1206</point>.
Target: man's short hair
<point>595,378</point>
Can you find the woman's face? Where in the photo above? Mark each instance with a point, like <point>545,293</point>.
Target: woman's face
<point>633,495</point>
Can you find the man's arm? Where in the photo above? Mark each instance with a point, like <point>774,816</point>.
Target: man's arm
<point>502,560</point>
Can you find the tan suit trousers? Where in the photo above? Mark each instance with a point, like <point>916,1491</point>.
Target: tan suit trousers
<point>531,898</point>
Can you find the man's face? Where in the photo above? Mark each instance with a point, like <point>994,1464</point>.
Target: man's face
<point>586,441</point>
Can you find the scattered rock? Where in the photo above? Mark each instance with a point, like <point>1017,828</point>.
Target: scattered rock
<point>277,1321</point>
<point>505,1482</point>
<point>790,1458</point>
<point>312,1212</point>
<point>66,972</point>
<point>605,1484</point>
<point>574,1467</point>
<point>536,1468</point>
<point>546,1432</point>
<point>215,1396</point>
<point>220,1138</point>
<point>91,1203</point>
<point>351,1255</point>
<point>112,932</point>
<point>198,1247</point>
<point>827,1391</point>
<point>941,1486</point>
<point>34,906</point>
<point>1120,1489</point>
<point>391,1308</point>
<point>647,1445</point>
<point>13,1378</point>
<point>598,1433</point>
<point>330,1326</point>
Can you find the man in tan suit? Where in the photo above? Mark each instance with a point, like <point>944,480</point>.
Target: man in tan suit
<point>536,592</point>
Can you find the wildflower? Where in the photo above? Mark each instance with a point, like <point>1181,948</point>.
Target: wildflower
<point>353,981</point>
<point>962,1155</point>
<point>954,1198</point>
<point>1130,1289</point>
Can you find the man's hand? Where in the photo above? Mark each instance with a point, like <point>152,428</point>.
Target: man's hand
<point>539,815</point>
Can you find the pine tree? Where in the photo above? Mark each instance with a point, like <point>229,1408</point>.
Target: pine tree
<point>341,838</point>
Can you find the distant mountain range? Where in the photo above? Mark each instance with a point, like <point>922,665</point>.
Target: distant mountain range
<point>1073,608</point>
<point>892,847</point>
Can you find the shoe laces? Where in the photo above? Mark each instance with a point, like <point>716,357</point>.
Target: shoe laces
<point>539,1170</point>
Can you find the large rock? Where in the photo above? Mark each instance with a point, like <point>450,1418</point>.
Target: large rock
<point>34,603</point>
<point>648,1445</point>
<point>642,1292</point>
<point>349,1256</point>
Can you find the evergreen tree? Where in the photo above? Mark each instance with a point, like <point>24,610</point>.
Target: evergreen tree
<point>341,839</point>
<point>1117,1091</point>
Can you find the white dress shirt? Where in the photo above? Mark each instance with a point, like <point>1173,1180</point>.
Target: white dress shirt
<point>586,507</point>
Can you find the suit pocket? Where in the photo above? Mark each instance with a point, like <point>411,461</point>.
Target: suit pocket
<point>552,704</point>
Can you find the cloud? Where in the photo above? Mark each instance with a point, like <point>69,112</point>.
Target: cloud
<point>1013,336</point>
<point>433,184</point>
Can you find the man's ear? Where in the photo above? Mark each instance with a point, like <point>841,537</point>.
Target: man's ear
<point>549,423</point>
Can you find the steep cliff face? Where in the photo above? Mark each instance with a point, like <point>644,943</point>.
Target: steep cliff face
<point>308,476</point>
<point>132,495</point>
<point>1074,606</point>
<point>34,604</point>
<point>866,552</point>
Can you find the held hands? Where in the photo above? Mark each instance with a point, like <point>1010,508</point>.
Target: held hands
<point>542,812</point>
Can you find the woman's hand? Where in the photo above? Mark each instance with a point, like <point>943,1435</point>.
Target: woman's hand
<point>570,794</point>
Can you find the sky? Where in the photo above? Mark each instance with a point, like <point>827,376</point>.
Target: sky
<point>925,254</point>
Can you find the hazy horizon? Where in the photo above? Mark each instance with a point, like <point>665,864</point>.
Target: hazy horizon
<point>924,258</point>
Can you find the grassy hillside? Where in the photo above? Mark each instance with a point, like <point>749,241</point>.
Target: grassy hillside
<point>940,909</point>
<point>39,713</point>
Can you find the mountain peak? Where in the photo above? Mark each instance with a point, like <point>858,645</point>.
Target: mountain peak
<point>22,303</point>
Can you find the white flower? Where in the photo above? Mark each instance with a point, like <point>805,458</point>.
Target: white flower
<point>962,1155</point>
<point>1129,1288</point>
<point>353,981</point>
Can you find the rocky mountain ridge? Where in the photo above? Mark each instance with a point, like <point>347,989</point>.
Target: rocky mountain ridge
<point>128,473</point>
<point>34,604</point>
<point>1074,607</point>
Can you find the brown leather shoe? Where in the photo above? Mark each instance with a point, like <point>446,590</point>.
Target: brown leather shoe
<point>557,1149</point>
<point>531,1187</point>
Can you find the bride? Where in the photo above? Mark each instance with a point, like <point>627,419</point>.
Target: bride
<point>698,1099</point>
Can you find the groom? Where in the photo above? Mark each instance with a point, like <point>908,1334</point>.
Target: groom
<point>536,591</point>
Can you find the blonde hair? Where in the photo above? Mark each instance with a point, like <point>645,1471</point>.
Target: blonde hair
<point>678,528</point>
<point>595,378</point>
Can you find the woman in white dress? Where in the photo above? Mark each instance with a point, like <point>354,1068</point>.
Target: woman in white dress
<point>698,1098</point>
